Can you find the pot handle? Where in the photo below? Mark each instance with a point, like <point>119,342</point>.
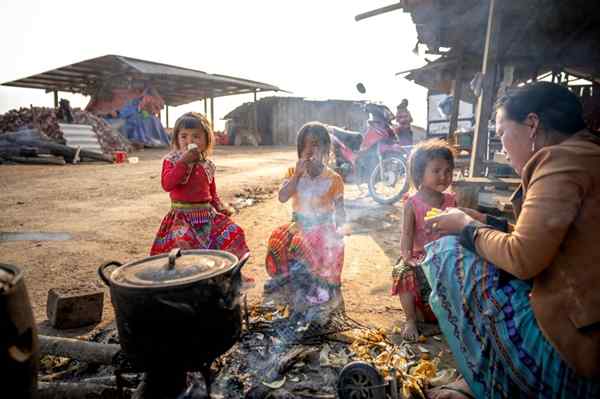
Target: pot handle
<point>173,255</point>
<point>102,273</point>
<point>241,263</point>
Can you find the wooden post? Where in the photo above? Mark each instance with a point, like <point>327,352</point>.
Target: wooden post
<point>205,107</point>
<point>167,115</point>
<point>255,116</point>
<point>486,99</point>
<point>55,98</point>
<point>457,85</point>
<point>212,112</point>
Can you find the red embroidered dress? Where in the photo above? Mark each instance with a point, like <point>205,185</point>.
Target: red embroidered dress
<point>311,238</point>
<point>194,221</point>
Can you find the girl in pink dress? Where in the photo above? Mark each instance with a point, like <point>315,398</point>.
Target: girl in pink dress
<point>431,165</point>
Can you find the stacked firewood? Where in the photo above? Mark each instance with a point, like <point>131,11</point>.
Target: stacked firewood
<point>109,139</point>
<point>45,121</point>
<point>40,118</point>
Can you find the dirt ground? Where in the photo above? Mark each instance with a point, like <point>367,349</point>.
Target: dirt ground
<point>112,212</point>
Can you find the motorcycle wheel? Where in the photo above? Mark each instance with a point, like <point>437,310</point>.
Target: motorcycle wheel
<point>360,380</point>
<point>388,185</point>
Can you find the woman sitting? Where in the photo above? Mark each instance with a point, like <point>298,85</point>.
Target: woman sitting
<point>520,305</point>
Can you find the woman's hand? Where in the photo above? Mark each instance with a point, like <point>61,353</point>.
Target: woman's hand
<point>191,156</point>
<point>480,217</point>
<point>452,221</point>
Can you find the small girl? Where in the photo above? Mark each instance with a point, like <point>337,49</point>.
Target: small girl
<point>431,164</point>
<point>198,219</point>
<point>308,253</point>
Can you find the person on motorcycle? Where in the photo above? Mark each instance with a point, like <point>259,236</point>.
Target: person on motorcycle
<point>404,119</point>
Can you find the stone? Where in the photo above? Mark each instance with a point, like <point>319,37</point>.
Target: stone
<point>74,307</point>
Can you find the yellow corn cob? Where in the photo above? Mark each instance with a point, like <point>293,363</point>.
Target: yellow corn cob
<point>433,212</point>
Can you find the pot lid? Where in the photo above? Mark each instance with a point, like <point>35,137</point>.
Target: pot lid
<point>175,268</point>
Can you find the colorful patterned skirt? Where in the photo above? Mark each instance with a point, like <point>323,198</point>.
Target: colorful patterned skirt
<point>198,226</point>
<point>312,242</point>
<point>488,322</point>
<point>411,279</point>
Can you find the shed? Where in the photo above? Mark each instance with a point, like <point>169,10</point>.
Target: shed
<point>280,118</point>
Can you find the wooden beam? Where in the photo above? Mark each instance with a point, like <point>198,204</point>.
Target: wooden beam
<point>167,115</point>
<point>487,97</point>
<point>55,98</point>
<point>255,115</point>
<point>205,107</point>
<point>379,11</point>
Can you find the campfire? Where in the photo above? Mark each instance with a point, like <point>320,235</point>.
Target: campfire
<point>279,355</point>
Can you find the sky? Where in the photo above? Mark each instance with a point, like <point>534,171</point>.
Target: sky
<point>314,49</point>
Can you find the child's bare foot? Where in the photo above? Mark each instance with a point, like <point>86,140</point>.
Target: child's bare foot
<point>459,389</point>
<point>410,332</point>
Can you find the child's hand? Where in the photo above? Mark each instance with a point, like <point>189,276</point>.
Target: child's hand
<point>227,210</point>
<point>191,156</point>
<point>344,230</point>
<point>407,258</point>
<point>301,167</point>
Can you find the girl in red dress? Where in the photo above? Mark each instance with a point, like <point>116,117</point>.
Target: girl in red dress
<point>198,219</point>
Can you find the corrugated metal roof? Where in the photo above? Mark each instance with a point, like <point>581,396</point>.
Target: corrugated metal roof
<point>82,136</point>
<point>175,84</point>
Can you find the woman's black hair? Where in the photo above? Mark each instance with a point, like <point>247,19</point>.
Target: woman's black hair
<point>424,152</point>
<point>316,130</point>
<point>557,107</point>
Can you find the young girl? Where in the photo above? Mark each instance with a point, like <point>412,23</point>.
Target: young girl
<point>198,219</point>
<point>309,251</point>
<point>431,165</point>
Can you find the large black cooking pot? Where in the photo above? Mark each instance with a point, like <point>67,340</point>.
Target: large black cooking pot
<point>176,311</point>
<point>18,337</point>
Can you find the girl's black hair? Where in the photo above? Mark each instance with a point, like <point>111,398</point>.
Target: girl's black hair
<point>557,107</point>
<point>316,130</point>
<point>424,152</point>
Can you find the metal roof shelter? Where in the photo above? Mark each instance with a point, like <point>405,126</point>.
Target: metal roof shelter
<point>176,85</point>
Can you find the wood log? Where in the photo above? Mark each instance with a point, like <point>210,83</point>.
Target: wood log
<point>33,138</point>
<point>73,390</point>
<point>35,160</point>
<point>85,351</point>
<point>283,364</point>
<point>128,380</point>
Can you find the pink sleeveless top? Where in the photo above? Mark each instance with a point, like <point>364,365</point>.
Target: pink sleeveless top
<point>421,236</point>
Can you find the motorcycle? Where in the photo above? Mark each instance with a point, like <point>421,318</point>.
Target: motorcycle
<point>375,157</point>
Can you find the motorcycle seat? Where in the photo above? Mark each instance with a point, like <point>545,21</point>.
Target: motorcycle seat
<point>352,139</point>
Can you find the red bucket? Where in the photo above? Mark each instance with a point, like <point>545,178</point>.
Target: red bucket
<point>119,156</point>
